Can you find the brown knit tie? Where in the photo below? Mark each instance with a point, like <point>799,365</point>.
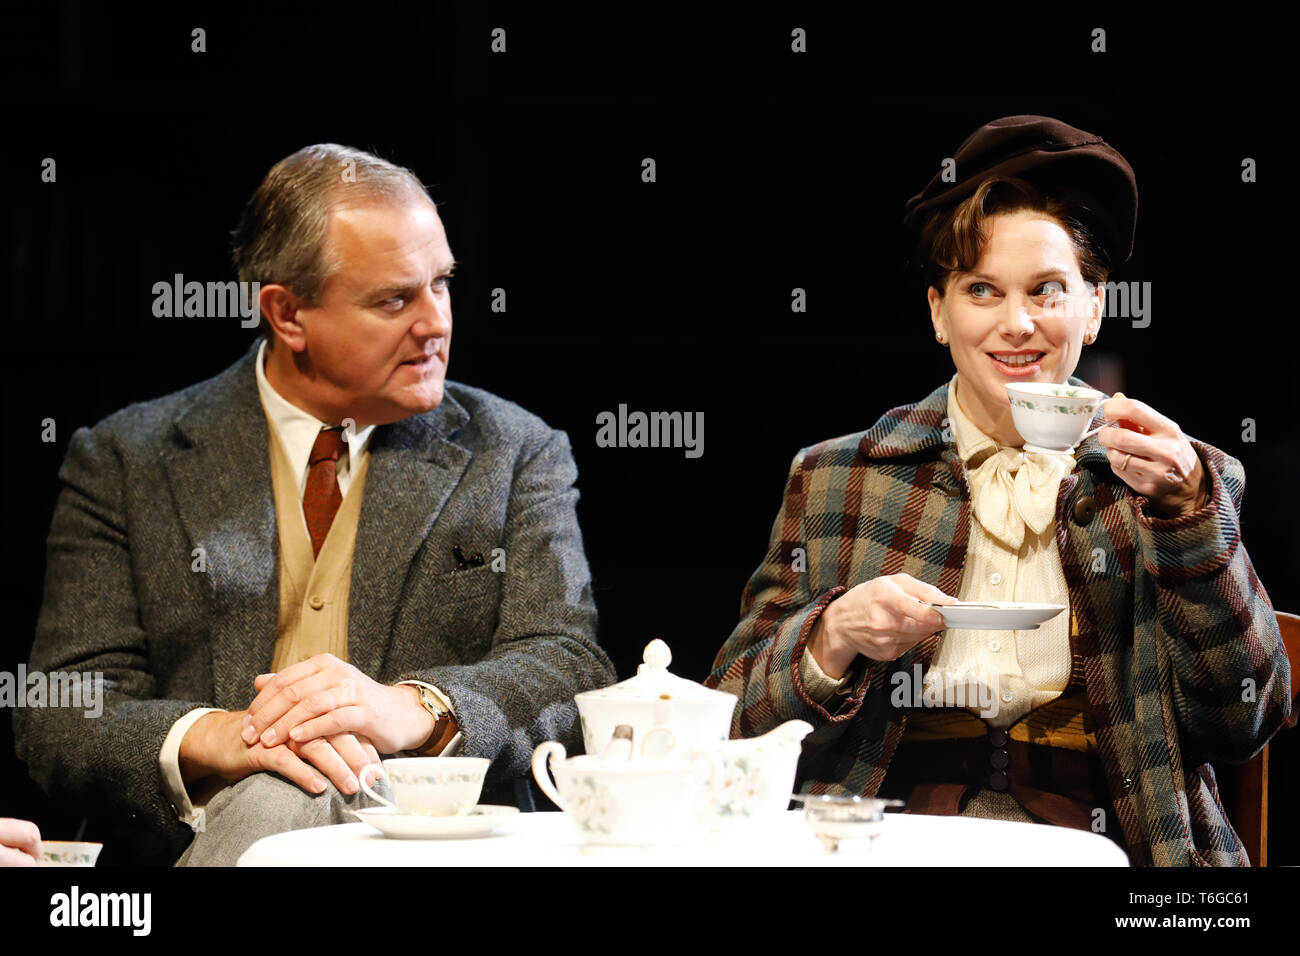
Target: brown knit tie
<point>321,500</point>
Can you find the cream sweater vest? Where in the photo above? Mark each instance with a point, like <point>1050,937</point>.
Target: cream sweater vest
<point>313,589</point>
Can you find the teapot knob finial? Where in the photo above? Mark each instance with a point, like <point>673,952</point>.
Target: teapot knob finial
<point>657,654</point>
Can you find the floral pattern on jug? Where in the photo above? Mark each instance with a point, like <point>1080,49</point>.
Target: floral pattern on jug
<point>756,778</point>
<point>743,788</point>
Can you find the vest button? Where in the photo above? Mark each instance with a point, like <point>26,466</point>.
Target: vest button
<point>999,759</point>
<point>317,602</point>
<point>997,737</point>
<point>998,780</point>
<point>1085,509</point>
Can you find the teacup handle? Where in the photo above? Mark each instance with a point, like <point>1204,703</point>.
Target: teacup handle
<point>541,772</point>
<point>361,779</point>
<point>1094,431</point>
<point>645,741</point>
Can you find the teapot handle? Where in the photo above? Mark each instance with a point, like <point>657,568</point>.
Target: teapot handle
<point>541,762</point>
<point>645,741</point>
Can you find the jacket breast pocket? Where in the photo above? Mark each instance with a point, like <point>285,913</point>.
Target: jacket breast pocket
<point>463,585</point>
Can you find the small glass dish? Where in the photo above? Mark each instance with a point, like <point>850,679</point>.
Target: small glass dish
<point>836,817</point>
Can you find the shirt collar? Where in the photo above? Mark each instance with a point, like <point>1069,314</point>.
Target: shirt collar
<point>971,442</point>
<point>296,428</point>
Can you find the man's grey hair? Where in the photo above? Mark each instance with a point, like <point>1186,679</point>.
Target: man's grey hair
<point>281,234</point>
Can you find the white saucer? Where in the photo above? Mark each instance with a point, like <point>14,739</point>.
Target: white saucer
<point>478,822</point>
<point>997,615</point>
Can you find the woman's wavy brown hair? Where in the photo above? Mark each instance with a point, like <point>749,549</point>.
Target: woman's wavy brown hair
<point>952,240</point>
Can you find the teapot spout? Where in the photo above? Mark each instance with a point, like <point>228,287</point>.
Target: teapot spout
<point>792,731</point>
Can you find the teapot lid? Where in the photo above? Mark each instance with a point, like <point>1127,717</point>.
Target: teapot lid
<point>653,682</point>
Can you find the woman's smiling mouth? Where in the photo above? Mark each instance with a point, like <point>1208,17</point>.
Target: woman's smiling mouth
<point>1017,364</point>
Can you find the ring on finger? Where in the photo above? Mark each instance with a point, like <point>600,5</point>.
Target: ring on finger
<point>1126,461</point>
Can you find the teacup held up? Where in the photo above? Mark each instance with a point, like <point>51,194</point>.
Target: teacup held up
<point>1051,417</point>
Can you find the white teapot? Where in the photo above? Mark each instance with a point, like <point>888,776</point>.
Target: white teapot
<point>666,713</point>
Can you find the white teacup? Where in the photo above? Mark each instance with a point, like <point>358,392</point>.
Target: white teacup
<point>636,802</point>
<point>430,786</point>
<point>1052,417</point>
<point>69,853</point>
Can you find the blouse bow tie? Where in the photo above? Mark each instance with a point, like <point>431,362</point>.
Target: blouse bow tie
<point>1015,489</point>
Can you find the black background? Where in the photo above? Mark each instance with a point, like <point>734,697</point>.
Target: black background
<point>775,170</point>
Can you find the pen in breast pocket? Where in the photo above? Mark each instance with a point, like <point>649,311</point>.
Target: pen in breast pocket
<point>463,563</point>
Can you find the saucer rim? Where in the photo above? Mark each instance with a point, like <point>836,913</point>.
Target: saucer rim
<point>478,811</point>
<point>967,618</point>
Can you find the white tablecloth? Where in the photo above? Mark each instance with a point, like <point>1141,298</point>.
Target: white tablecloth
<point>549,839</point>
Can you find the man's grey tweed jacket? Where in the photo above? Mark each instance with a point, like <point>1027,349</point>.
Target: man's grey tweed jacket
<point>150,484</point>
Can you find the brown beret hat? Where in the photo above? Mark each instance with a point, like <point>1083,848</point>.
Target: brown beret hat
<point>1048,154</point>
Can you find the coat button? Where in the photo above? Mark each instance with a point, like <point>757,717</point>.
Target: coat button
<point>1085,509</point>
<point>317,602</point>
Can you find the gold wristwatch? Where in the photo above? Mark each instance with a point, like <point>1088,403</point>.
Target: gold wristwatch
<point>440,717</point>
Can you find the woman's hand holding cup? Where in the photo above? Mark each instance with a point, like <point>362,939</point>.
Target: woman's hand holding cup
<point>879,619</point>
<point>1150,454</point>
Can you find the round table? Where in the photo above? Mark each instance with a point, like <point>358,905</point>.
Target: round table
<point>548,839</point>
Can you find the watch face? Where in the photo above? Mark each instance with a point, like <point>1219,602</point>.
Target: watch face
<point>431,703</point>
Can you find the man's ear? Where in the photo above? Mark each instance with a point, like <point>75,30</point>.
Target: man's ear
<point>280,308</point>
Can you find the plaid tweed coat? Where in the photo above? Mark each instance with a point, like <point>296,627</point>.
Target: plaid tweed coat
<point>1172,622</point>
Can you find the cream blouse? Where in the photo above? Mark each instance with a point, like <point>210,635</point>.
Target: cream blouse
<point>1011,556</point>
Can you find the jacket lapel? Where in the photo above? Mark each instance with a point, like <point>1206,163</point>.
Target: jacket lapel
<point>414,465</point>
<point>220,478</point>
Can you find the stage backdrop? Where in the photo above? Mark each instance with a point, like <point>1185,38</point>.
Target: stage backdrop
<point>755,282</point>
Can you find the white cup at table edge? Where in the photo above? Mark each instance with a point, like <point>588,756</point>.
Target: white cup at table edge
<point>421,786</point>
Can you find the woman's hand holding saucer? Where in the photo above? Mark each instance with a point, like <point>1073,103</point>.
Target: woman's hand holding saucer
<point>1150,453</point>
<point>879,619</point>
